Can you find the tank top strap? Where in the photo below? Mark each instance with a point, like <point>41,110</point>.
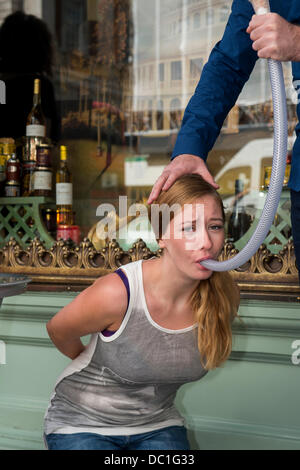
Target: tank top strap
<point>125,281</point>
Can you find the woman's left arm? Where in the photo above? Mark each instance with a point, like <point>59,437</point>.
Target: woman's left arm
<point>93,310</point>
<point>72,348</point>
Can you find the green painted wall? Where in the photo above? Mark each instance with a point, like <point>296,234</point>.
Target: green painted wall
<point>250,403</point>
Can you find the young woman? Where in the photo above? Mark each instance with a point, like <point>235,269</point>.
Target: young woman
<point>156,324</point>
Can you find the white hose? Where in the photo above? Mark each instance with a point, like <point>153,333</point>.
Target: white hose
<point>278,168</point>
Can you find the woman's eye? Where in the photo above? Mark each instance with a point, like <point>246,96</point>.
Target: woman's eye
<point>212,227</point>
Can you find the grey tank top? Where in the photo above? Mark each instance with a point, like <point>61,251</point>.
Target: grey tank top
<point>126,384</point>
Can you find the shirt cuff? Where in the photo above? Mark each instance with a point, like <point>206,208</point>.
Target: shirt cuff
<point>189,145</point>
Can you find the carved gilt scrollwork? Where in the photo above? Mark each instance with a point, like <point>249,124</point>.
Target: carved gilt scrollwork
<point>84,262</point>
<point>265,262</point>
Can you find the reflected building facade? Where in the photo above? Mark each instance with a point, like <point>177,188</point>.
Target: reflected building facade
<point>171,45</point>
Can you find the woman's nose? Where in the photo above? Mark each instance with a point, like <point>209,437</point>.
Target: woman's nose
<point>200,241</point>
<point>205,240</point>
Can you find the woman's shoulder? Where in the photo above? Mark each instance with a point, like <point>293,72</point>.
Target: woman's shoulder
<point>111,290</point>
<point>110,284</point>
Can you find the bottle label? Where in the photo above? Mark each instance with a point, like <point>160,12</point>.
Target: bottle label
<point>64,194</point>
<point>42,180</point>
<point>12,169</point>
<point>35,130</point>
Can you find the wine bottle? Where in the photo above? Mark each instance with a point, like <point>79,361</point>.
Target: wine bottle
<point>64,190</point>
<point>239,221</point>
<point>36,121</point>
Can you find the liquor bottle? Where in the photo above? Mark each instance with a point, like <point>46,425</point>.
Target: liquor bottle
<point>36,121</point>
<point>28,169</point>
<point>42,181</point>
<point>64,191</point>
<point>7,150</point>
<point>13,175</point>
<point>239,221</point>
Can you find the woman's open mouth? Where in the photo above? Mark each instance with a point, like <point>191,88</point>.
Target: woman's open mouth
<point>201,267</point>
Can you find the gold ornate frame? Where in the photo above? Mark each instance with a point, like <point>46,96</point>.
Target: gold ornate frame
<point>73,268</point>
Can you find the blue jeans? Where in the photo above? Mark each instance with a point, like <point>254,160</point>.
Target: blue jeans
<point>170,438</point>
<point>295,218</point>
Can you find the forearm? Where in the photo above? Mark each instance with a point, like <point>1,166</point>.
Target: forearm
<point>70,348</point>
<point>223,77</point>
<point>204,116</point>
<point>215,96</point>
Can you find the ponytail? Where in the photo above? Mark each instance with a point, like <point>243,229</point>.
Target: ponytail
<point>215,304</point>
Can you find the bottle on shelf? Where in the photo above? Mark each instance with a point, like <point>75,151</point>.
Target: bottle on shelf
<point>28,169</point>
<point>35,126</point>
<point>36,121</point>
<point>42,178</point>
<point>7,149</point>
<point>49,217</point>
<point>64,191</point>
<point>42,181</point>
<point>44,155</point>
<point>13,177</point>
<point>239,221</point>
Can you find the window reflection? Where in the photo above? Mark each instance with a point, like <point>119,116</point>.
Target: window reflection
<point>196,18</point>
<point>210,16</point>
<point>124,73</point>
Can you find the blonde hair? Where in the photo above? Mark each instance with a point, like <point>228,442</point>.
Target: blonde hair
<point>215,301</point>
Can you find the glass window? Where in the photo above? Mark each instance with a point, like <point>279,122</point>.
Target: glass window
<point>224,13</point>
<point>176,70</point>
<point>227,178</point>
<point>119,84</point>
<point>160,115</point>
<point>179,25</point>
<point>175,114</point>
<point>209,16</point>
<point>196,67</point>
<point>161,72</point>
<point>196,20</point>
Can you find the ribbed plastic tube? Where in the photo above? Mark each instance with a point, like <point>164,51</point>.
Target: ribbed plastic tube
<point>277,175</point>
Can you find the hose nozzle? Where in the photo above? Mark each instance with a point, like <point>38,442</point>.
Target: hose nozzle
<point>261,7</point>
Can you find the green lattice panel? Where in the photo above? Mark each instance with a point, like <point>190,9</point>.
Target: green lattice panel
<point>280,231</point>
<point>21,219</point>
